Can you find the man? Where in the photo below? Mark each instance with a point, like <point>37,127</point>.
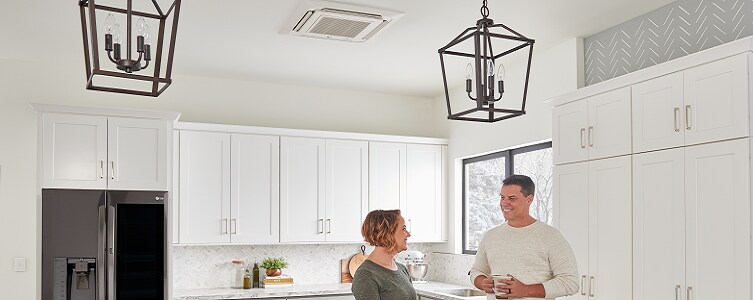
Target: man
<point>536,256</point>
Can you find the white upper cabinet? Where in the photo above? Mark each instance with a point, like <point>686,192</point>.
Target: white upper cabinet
<point>658,116</point>
<point>99,152</point>
<point>698,105</point>
<point>592,128</point>
<point>716,100</point>
<point>254,188</point>
<point>347,191</point>
<point>387,175</point>
<point>229,188</point>
<point>423,209</point>
<point>409,177</point>
<point>302,193</point>
<point>324,189</point>
<point>204,187</point>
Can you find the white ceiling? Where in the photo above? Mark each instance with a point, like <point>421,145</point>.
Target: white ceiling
<point>241,39</point>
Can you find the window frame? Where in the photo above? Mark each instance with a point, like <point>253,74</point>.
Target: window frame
<point>509,155</point>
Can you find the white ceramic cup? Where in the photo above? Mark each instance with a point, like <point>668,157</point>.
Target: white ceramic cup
<point>500,288</point>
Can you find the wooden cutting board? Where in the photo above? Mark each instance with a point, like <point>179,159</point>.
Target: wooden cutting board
<point>357,260</point>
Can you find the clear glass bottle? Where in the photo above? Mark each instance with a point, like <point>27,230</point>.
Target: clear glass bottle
<point>238,271</point>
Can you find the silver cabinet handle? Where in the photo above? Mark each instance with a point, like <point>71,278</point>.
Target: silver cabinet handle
<point>223,226</point>
<point>582,136</point>
<point>112,170</point>
<point>582,285</point>
<point>689,292</point>
<point>234,226</point>
<point>677,119</point>
<point>590,141</point>
<point>101,169</point>
<point>329,225</point>
<point>677,292</point>
<point>591,287</point>
<point>410,225</point>
<point>688,126</point>
<point>319,226</point>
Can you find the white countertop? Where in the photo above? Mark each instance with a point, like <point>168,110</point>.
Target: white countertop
<point>303,290</point>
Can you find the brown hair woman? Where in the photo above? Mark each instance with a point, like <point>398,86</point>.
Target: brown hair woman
<point>380,277</point>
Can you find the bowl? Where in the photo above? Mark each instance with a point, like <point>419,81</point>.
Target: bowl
<point>417,271</point>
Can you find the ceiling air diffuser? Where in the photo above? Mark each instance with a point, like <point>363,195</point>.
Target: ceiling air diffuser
<point>339,21</point>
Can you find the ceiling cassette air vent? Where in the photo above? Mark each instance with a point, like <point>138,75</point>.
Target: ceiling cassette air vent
<point>339,21</point>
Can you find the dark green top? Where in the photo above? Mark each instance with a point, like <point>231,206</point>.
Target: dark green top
<point>373,282</point>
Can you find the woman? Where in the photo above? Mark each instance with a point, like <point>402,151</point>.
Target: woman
<point>380,277</point>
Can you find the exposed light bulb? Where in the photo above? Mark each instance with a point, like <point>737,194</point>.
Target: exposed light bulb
<point>501,71</point>
<point>116,33</point>
<point>468,71</point>
<point>109,23</point>
<point>490,67</point>
<point>141,27</point>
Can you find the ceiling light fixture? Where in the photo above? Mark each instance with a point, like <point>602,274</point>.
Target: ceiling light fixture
<point>118,76</point>
<point>486,39</point>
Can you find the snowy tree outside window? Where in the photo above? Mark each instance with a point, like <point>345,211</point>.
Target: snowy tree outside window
<point>482,180</point>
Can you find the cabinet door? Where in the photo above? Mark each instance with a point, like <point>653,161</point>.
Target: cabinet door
<point>658,224</point>
<point>608,132</point>
<point>255,189</point>
<point>569,137</point>
<point>301,190</point>
<point>657,113</point>
<point>347,189</point>
<point>571,216</point>
<point>717,191</point>
<point>423,206</point>
<point>610,230</point>
<point>204,187</point>
<point>387,175</point>
<point>74,151</point>
<point>137,154</point>
<point>716,100</point>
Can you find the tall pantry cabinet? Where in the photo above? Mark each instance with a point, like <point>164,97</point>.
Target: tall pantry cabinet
<point>678,217</point>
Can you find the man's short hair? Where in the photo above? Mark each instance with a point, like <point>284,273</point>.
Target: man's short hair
<point>524,182</point>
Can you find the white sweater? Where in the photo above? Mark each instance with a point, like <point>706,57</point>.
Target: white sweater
<point>537,253</point>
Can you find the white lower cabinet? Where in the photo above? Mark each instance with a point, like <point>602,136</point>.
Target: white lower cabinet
<point>692,222</point>
<point>323,189</point>
<point>593,213</point>
<point>228,188</point>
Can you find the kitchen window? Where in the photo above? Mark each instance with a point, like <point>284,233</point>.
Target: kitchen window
<point>482,180</point>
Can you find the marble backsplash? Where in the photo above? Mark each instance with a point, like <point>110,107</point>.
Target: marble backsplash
<point>212,267</point>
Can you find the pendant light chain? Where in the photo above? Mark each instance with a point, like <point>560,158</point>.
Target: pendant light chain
<point>484,10</point>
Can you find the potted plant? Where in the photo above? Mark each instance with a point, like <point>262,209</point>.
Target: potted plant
<point>274,265</point>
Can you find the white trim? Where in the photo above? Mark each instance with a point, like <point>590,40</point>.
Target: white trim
<point>692,60</point>
<point>307,133</point>
<point>101,111</point>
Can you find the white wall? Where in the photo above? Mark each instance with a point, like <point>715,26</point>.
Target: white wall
<point>554,71</point>
<point>199,99</point>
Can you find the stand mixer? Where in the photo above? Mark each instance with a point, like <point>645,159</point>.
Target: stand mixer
<point>414,261</point>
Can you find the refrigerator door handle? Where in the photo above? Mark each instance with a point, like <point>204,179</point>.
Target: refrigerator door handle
<point>110,252</point>
<point>102,247</point>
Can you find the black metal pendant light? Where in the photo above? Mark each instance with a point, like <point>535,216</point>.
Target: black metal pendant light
<point>126,71</point>
<point>484,85</point>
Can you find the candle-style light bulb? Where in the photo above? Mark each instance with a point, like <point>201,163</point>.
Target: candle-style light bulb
<point>141,31</point>
<point>490,74</point>
<point>116,38</point>
<point>468,72</point>
<point>109,23</point>
<point>501,77</point>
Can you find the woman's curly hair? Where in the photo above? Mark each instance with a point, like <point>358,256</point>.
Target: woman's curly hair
<point>379,228</point>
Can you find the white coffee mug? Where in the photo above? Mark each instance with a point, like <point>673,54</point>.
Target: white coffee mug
<point>500,288</point>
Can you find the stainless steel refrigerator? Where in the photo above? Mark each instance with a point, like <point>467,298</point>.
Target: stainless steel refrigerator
<point>104,245</point>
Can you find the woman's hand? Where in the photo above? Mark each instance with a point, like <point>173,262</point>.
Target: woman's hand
<point>484,283</point>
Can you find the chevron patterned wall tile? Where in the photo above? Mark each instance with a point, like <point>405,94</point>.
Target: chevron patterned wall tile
<point>675,30</point>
